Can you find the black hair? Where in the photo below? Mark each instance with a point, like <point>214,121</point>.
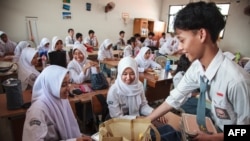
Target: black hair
<point>182,64</point>
<point>137,35</point>
<point>78,35</point>
<point>131,40</point>
<point>151,33</point>
<point>163,33</point>
<point>201,15</point>
<point>70,29</point>
<point>91,31</point>
<point>121,32</point>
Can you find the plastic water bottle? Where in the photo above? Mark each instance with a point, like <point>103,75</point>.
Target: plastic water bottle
<point>167,66</point>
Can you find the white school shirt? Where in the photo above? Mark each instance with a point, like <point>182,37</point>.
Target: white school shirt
<point>118,104</point>
<point>149,42</point>
<point>76,73</point>
<point>162,41</point>
<point>46,126</point>
<point>69,41</point>
<point>167,48</point>
<point>229,90</point>
<point>103,54</point>
<point>247,66</point>
<point>127,51</point>
<point>87,40</point>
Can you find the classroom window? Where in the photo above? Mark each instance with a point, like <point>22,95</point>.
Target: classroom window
<point>173,10</point>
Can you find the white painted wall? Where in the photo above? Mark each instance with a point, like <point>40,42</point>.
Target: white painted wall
<point>50,22</point>
<point>108,25</point>
<point>237,30</point>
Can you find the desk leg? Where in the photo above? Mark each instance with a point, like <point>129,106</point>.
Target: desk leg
<point>5,130</point>
<point>84,118</point>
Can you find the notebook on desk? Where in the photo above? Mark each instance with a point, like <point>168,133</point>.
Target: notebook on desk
<point>58,58</point>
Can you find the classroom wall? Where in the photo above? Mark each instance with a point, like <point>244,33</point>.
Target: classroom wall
<point>108,25</point>
<point>50,22</point>
<point>237,30</point>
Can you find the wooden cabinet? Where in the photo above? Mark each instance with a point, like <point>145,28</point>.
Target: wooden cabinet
<point>143,26</point>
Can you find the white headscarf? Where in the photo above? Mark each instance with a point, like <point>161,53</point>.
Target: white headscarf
<point>18,50</point>
<point>103,49</point>
<point>47,90</point>
<point>54,40</point>
<point>43,42</point>
<point>142,62</point>
<point>133,90</point>
<point>25,68</point>
<point>1,33</point>
<point>78,65</point>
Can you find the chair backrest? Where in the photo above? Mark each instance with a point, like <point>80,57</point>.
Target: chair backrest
<point>99,109</point>
<point>58,58</point>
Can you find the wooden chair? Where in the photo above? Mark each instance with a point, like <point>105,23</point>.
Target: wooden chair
<point>80,122</point>
<point>97,109</point>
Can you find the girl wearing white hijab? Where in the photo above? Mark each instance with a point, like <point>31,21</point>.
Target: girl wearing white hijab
<point>50,116</point>
<point>57,45</point>
<point>7,46</point>
<point>80,68</point>
<point>126,97</point>
<point>105,53</point>
<point>27,72</point>
<point>18,50</point>
<point>145,64</point>
<point>44,47</point>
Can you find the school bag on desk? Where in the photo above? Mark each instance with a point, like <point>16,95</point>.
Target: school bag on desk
<point>98,80</point>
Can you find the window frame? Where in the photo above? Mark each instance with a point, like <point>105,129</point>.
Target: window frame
<point>171,17</point>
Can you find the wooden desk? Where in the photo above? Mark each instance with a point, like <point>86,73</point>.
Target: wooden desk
<point>115,52</point>
<point>111,63</point>
<point>156,88</point>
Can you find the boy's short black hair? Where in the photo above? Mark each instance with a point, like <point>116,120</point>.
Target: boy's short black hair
<point>201,15</point>
<point>137,35</point>
<point>151,33</point>
<point>121,32</point>
<point>91,31</point>
<point>70,29</point>
<point>131,40</point>
<point>78,35</point>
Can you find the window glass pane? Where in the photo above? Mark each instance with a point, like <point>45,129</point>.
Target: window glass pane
<point>171,24</point>
<point>224,8</point>
<point>174,9</point>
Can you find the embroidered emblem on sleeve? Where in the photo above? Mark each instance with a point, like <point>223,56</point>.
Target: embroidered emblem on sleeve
<point>221,113</point>
<point>35,122</point>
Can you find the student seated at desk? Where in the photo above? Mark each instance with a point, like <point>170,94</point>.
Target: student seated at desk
<point>70,40</point>
<point>145,64</point>
<point>170,47</point>
<point>50,116</point>
<point>131,49</point>
<point>27,72</point>
<point>44,47</point>
<point>18,50</point>
<point>57,45</point>
<point>7,46</point>
<point>91,41</point>
<point>105,54</point>
<point>80,68</point>
<point>126,98</point>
